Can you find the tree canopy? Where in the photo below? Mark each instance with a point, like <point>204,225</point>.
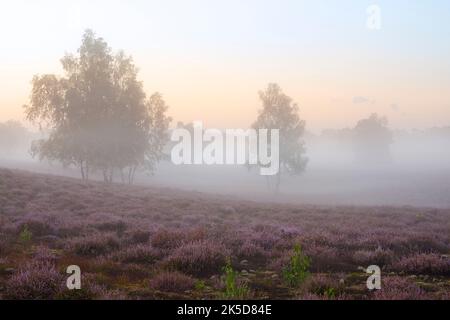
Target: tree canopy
<point>280,112</point>
<point>372,140</point>
<point>98,114</point>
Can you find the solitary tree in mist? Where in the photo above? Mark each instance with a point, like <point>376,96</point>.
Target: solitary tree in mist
<point>372,140</point>
<point>97,114</point>
<point>279,112</point>
<point>159,124</point>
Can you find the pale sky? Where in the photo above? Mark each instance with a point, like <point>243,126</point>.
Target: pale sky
<point>210,58</point>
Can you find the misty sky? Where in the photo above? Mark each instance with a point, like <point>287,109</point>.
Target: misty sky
<point>210,58</point>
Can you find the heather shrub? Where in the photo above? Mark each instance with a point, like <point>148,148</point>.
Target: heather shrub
<point>444,295</point>
<point>172,282</point>
<point>45,255</point>
<point>330,296</point>
<point>3,244</point>
<point>126,233</point>
<point>296,271</point>
<point>37,228</point>
<point>137,254</point>
<point>84,293</point>
<point>108,295</point>
<point>227,210</point>
<point>25,235</point>
<point>266,240</point>
<point>251,251</point>
<point>423,263</point>
<point>38,280</point>
<point>324,285</point>
<point>426,243</point>
<point>279,263</point>
<point>139,236</point>
<point>196,234</point>
<point>90,290</point>
<point>199,258</point>
<point>94,245</point>
<point>326,259</point>
<point>68,228</point>
<point>111,225</point>
<point>313,297</point>
<point>165,239</point>
<point>397,288</point>
<point>379,257</point>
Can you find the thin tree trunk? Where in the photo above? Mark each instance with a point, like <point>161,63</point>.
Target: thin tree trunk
<point>278,182</point>
<point>83,177</point>
<point>122,178</point>
<point>131,175</point>
<point>134,174</point>
<point>111,175</point>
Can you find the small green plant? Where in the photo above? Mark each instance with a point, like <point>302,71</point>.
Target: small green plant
<point>297,270</point>
<point>233,290</point>
<point>25,235</point>
<point>200,285</point>
<point>330,293</point>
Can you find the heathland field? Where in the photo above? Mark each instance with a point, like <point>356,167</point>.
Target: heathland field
<point>152,243</point>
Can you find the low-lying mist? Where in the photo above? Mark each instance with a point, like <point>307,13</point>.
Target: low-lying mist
<point>417,172</point>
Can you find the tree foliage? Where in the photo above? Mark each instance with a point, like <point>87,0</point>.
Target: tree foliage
<point>98,113</point>
<point>280,112</point>
<point>372,140</point>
